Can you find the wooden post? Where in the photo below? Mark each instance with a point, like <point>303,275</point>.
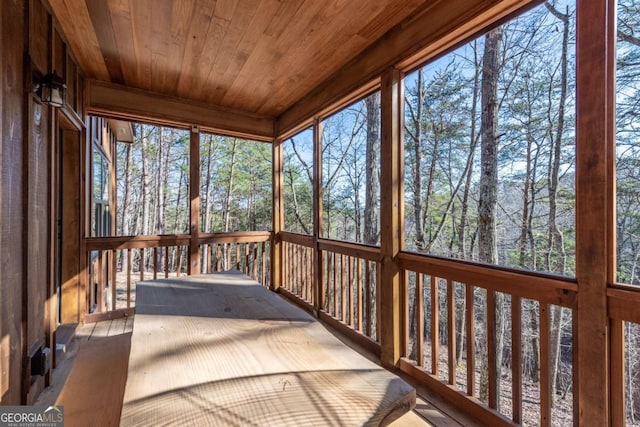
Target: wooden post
<point>194,194</point>
<point>595,105</point>
<point>391,232</point>
<point>278,215</point>
<point>318,282</point>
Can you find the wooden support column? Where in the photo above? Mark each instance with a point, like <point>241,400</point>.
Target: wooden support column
<point>278,214</point>
<point>595,97</point>
<point>318,283</point>
<point>391,233</point>
<point>194,194</point>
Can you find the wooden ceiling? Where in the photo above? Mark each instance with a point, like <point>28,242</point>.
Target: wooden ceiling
<point>258,56</point>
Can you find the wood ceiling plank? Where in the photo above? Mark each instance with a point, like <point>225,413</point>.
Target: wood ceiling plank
<point>101,18</point>
<point>206,31</point>
<point>253,59</point>
<point>218,80</point>
<point>160,42</point>
<point>123,33</point>
<point>179,32</point>
<point>438,26</point>
<point>142,27</point>
<point>77,28</point>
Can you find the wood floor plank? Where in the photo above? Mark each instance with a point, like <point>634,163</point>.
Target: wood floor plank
<point>93,392</point>
<point>222,350</point>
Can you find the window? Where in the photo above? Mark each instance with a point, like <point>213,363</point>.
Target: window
<point>298,182</point>
<point>489,156</point>
<point>351,173</point>
<point>101,216</point>
<point>235,184</point>
<point>628,142</point>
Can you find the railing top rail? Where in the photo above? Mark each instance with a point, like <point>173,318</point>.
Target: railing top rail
<point>540,287</point>
<point>358,250</point>
<point>235,237</point>
<point>298,239</point>
<point>161,240</point>
<point>132,242</point>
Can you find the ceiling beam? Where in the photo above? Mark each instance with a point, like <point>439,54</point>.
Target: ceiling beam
<point>429,32</point>
<point>127,103</point>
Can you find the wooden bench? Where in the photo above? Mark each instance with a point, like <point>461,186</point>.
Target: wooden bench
<point>222,350</point>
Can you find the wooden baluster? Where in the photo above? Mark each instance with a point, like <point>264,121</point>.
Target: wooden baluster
<point>246,259</point>
<point>288,266</point>
<point>618,407</point>
<point>451,327</point>
<point>335,276</point>
<point>155,263</point>
<point>141,264</point>
<point>368,311</point>
<point>238,257</point>
<point>491,349</point>
<point>114,279</point>
<point>359,285</point>
<point>327,284</point>
<point>419,319</point>
<point>166,262</point>
<point>129,278</point>
<point>545,367</point>
<point>343,289</point>
<point>516,358</point>
<point>263,258</point>
<point>303,272</point>
<point>471,339</point>
<point>254,264</point>
<point>404,313</point>
<point>206,249</point>
<point>350,291</point>
<point>178,261</point>
<point>377,300</point>
<point>100,289</point>
<point>218,257</point>
<point>297,270</point>
<point>435,323</point>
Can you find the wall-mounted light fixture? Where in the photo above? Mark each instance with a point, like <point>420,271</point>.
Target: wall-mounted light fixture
<point>51,89</point>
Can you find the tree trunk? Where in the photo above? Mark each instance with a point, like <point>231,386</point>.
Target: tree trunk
<point>372,156</point>
<point>417,171</point>
<point>487,244</point>
<point>226,214</point>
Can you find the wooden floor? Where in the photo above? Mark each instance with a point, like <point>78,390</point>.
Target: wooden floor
<point>96,373</point>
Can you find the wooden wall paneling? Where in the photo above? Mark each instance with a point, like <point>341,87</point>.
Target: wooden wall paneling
<point>388,292</point>
<point>12,274</point>
<point>37,236</point>
<point>39,37</point>
<point>278,214</point>
<point>70,223</point>
<point>594,154</point>
<point>194,194</point>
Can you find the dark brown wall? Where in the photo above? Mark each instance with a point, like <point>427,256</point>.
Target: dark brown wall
<point>30,46</point>
<point>12,240</point>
